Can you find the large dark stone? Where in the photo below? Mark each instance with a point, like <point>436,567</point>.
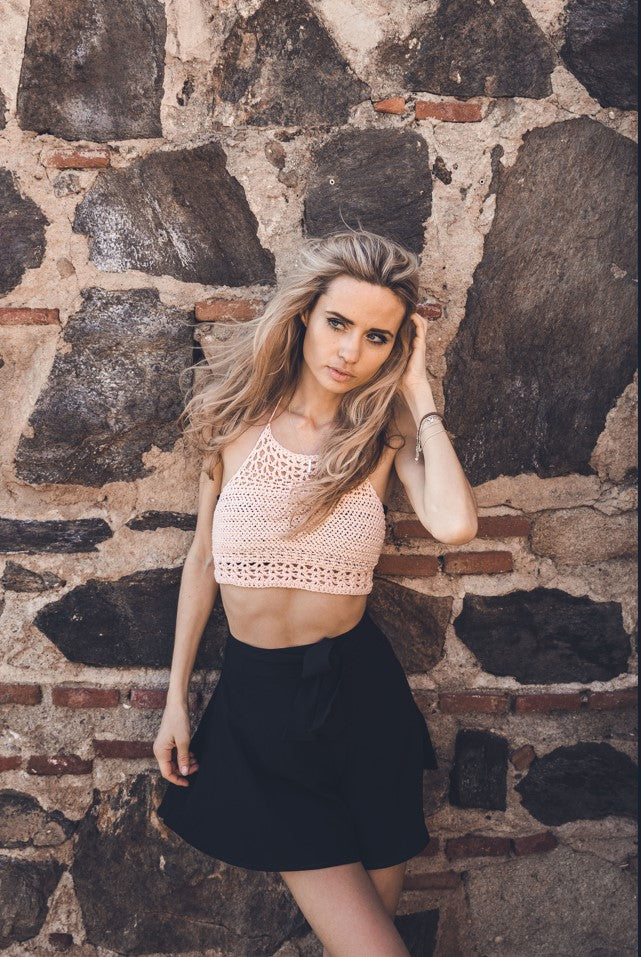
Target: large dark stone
<point>29,537</point>
<point>588,780</point>
<point>601,49</point>
<point>479,773</point>
<point>177,213</point>
<point>350,184</point>
<point>413,622</point>
<point>141,892</point>
<point>3,109</point>
<point>93,69</point>
<point>22,233</point>
<point>552,309</point>
<point>127,623</point>
<point>25,823</point>
<point>469,48</point>
<point>25,887</point>
<point>281,66</point>
<point>114,395</point>
<point>545,636</point>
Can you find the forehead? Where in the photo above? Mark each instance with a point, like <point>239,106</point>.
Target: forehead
<point>363,302</point>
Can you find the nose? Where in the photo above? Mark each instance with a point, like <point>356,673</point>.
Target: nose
<point>350,348</point>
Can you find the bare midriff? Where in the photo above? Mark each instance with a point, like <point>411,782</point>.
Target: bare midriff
<point>282,617</point>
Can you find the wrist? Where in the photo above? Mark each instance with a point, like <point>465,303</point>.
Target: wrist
<point>420,402</point>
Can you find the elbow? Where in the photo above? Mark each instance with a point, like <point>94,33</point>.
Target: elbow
<point>458,535</point>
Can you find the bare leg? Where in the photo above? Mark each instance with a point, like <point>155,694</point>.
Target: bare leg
<point>345,911</point>
<point>388,882</point>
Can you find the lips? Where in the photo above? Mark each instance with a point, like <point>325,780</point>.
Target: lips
<point>340,374</point>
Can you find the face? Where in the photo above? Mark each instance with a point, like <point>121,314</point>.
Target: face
<point>350,330</point>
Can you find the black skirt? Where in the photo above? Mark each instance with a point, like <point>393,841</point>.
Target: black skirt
<point>309,756</point>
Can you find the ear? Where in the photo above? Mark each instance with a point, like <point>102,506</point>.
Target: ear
<point>304,317</point>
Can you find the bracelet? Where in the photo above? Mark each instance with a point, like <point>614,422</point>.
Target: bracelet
<point>428,417</point>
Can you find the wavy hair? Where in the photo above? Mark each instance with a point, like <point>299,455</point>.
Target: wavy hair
<point>255,363</point>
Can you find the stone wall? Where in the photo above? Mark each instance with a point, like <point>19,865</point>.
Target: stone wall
<point>159,164</point>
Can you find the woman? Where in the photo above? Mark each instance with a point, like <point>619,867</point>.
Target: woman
<point>309,757</point>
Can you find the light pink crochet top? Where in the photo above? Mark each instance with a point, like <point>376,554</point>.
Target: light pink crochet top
<point>338,556</point>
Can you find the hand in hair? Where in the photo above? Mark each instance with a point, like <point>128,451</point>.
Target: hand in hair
<point>414,380</point>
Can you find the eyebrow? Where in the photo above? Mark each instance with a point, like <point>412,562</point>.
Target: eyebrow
<point>350,322</point>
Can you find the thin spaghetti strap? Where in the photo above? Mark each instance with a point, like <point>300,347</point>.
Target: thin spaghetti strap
<point>274,412</point>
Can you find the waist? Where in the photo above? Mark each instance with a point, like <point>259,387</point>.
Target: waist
<point>278,617</point>
<point>293,653</point>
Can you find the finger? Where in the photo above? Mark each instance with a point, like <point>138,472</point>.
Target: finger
<point>167,771</point>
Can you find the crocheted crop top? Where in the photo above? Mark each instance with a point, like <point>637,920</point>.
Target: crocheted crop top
<point>338,556</point>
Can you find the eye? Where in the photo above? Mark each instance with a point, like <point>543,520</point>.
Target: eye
<point>332,319</point>
<point>380,340</point>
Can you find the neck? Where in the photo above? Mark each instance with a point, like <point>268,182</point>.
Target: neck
<point>315,405</point>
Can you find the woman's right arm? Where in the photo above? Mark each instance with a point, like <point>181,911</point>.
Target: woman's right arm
<point>198,590</point>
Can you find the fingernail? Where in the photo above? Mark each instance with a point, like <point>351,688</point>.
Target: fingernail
<point>184,769</point>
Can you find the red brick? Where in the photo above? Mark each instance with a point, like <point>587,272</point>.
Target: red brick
<point>111,748</point>
<point>477,563</point>
<point>608,700</point>
<point>432,881</point>
<point>20,694</point>
<point>22,316</point>
<point>8,762</point>
<point>154,698</point>
<point>462,702</point>
<point>535,843</point>
<point>452,111</point>
<point>410,528</point>
<point>503,526</point>
<point>477,845</point>
<point>58,764</point>
<point>393,104</point>
<point>78,157</point>
<point>522,758</point>
<point>412,566</point>
<point>212,309</point>
<point>563,701</point>
<point>430,310</point>
<point>77,696</point>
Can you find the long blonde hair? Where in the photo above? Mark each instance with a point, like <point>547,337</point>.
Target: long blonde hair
<point>255,363</point>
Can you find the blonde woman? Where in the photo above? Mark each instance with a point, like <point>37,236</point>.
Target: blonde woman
<point>308,759</point>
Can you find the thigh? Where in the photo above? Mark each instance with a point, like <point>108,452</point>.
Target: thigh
<point>388,882</point>
<point>343,908</point>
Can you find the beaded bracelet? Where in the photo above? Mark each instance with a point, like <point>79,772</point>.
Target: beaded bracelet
<point>428,417</point>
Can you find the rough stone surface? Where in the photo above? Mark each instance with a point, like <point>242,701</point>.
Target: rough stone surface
<point>350,184</point>
<point>93,70</point>
<point>582,535</point>
<point>465,48</point>
<point>191,901</point>
<point>176,213</point>
<point>25,887</point>
<point>16,577</point>
<point>153,519</point>
<point>601,49</point>
<point>113,395</point>
<point>25,823</point>
<point>559,903</point>
<point>281,66</point>
<point>3,108</point>
<point>33,538</point>
<point>586,780</point>
<point>22,233</point>
<point>413,622</point>
<point>129,622</point>
<point>479,772</point>
<point>547,316</point>
<point>545,636</point>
